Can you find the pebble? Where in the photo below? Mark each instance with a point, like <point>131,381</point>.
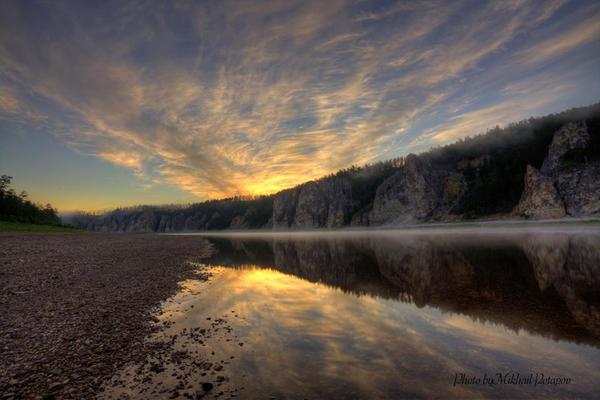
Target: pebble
<point>80,306</point>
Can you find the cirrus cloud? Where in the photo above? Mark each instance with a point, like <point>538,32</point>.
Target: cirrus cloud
<point>245,98</point>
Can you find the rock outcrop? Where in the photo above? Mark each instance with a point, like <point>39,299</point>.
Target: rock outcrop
<point>417,193</point>
<point>480,178</point>
<point>572,136</point>
<point>179,219</point>
<point>284,208</point>
<point>322,204</point>
<point>579,187</point>
<point>564,185</point>
<point>540,199</point>
<point>404,197</point>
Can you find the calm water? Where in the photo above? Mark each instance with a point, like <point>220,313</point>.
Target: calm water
<point>391,315</point>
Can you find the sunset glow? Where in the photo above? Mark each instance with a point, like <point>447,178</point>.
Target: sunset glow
<point>186,101</point>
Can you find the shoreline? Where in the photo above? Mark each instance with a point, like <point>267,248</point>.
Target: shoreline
<point>76,308</point>
<point>584,225</point>
<point>110,315</point>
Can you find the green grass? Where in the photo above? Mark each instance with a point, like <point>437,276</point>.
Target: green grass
<point>20,227</point>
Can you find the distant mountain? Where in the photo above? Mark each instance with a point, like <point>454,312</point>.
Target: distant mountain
<point>541,168</point>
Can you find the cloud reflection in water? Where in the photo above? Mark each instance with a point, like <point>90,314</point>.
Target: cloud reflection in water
<point>323,319</point>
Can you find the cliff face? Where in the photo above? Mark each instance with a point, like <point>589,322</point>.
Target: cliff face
<point>405,196</point>
<point>471,179</point>
<point>145,220</point>
<point>417,192</point>
<point>540,199</point>
<point>572,136</point>
<point>579,186</point>
<point>228,214</point>
<point>322,204</point>
<point>567,183</point>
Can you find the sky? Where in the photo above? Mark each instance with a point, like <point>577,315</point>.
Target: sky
<point>117,103</point>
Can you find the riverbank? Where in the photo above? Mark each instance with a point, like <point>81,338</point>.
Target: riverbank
<point>75,307</point>
<point>6,226</point>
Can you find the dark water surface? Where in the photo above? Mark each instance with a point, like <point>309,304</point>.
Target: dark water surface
<point>397,314</point>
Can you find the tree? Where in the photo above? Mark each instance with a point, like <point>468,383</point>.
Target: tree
<point>4,183</point>
<point>17,208</point>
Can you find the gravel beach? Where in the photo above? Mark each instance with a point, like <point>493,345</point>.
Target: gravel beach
<point>74,308</point>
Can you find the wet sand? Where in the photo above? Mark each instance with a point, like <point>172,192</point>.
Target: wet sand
<point>75,308</point>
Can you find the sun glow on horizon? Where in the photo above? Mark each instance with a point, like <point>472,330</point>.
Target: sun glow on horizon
<point>185,102</point>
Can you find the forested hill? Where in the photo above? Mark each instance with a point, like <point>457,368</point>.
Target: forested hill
<point>540,168</point>
<point>17,208</point>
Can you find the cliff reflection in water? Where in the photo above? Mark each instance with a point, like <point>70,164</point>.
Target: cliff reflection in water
<point>547,284</point>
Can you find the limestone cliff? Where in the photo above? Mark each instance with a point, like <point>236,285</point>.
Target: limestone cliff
<point>567,183</point>
<point>407,196</point>
<point>572,136</point>
<point>540,169</point>
<point>417,192</point>
<point>322,204</point>
<point>227,214</point>
<point>540,199</point>
<point>579,187</point>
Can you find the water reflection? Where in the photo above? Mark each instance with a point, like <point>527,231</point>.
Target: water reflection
<point>385,315</point>
<point>545,283</point>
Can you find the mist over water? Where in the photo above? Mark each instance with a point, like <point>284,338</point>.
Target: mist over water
<point>388,314</point>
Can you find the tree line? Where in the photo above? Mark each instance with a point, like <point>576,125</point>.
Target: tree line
<point>17,208</point>
<point>493,165</point>
<point>495,181</point>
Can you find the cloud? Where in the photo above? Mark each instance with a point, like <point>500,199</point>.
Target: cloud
<point>476,122</point>
<point>522,100</point>
<point>586,32</point>
<point>14,107</point>
<point>130,160</point>
<point>9,102</point>
<point>223,99</point>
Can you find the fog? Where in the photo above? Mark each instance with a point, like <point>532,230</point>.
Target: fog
<point>496,228</point>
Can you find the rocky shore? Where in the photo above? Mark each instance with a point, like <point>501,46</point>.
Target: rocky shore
<point>75,308</point>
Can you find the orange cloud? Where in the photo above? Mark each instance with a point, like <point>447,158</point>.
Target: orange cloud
<point>264,96</point>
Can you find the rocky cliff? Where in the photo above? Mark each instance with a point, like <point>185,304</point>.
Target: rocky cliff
<point>422,190</point>
<point>225,214</point>
<point>540,199</point>
<point>418,192</point>
<point>323,204</point>
<point>568,183</point>
<point>536,169</point>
